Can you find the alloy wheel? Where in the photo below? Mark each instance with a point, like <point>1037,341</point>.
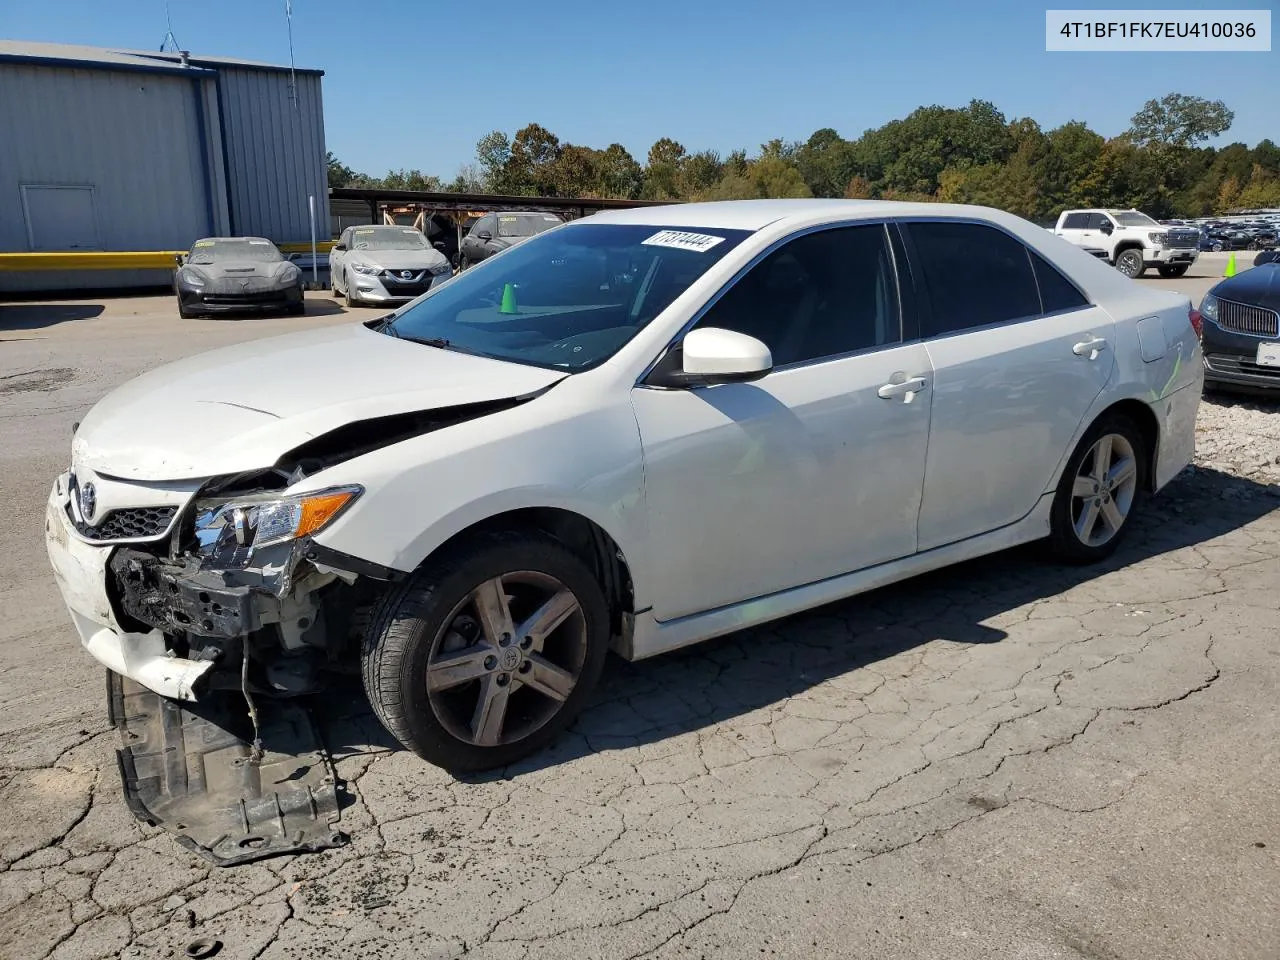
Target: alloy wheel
<point>1103,491</point>
<point>507,658</point>
<point>1130,263</point>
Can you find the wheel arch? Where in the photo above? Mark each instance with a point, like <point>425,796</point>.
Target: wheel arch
<point>1148,425</point>
<point>1124,245</point>
<point>588,540</point>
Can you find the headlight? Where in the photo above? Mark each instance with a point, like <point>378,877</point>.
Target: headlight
<point>191,278</point>
<point>1158,238</point>
<point>291,271</point>
<point>1209,308</point>
<point>266,519</point>
<point>367,269</point>
<point>444,266</point>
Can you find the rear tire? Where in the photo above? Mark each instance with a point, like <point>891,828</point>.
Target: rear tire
<point>438,666</point>
<point>1103,485</point>
<point>1170,272</point>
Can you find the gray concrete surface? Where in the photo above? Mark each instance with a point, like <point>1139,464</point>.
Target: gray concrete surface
<point>1006,759</point>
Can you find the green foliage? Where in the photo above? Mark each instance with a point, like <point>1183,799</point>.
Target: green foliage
<point>970,154</point>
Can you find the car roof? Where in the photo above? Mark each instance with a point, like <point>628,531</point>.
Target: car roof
<point>756,214</point>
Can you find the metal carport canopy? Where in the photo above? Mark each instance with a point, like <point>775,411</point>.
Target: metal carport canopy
<point>449,202</point>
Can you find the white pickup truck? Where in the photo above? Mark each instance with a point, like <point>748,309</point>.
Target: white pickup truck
<point>1131,241</point>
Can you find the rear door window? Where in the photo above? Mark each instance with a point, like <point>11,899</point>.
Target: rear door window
<point>974,275</point>
<point>1076,221</point>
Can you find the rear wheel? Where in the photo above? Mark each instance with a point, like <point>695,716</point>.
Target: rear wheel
<point>1170,271</point>
<point>484,655</point>
<point>1099,491</point>
<point>1130,262</point>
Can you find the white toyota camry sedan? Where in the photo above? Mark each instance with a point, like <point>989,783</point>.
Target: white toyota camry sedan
<point>633,432</point>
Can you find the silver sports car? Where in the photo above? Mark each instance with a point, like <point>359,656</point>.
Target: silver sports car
<point>385,264</point>
<point>232,274</point>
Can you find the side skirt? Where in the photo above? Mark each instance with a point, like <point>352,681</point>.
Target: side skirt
<point>652,637</point>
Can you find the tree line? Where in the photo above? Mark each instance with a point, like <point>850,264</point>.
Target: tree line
<point>970,154</point>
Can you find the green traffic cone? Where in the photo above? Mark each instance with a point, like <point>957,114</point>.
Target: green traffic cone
<point>508,299</point>
<point>1229,272</point>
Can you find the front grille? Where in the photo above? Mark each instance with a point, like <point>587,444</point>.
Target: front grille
<point>1242,318</point>
<point>1182,241</point>
<point>245,299</point>
<point>133,523</point>
<point>1221,363</point>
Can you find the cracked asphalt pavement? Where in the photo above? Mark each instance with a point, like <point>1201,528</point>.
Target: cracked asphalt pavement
<point>1004,759</point>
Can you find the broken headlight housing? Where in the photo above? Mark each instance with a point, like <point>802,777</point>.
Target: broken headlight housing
<point>237,527</point>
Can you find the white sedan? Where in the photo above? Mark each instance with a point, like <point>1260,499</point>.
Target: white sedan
<point>633,432</point>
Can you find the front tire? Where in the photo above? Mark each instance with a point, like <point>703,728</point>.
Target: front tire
<point>1130,263</point>
<point>1171,272</point>
<point>1100,490</point>
<point>350,300</point>
<point>484,655</point>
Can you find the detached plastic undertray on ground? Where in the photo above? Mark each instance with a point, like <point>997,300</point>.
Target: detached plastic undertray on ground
<point>187,768</point>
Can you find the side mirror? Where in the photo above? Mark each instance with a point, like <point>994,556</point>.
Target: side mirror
<point>439,245</point>
<point>484,235</point>
<point>339,246</point>
<point>712,355</point>
<point>180,259</point>
<point>1107,228</point>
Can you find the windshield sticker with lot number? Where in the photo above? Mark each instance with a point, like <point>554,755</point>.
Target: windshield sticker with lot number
<point>204,243</point>
<point>679,240</point>
<point>261,243</point>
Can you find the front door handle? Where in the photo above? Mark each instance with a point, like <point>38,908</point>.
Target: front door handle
<point>907,389</point>
<point>1090,348</point>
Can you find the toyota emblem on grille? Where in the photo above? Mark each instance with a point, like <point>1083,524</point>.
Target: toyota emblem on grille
<point>406,274</point>
<point>88,501</point>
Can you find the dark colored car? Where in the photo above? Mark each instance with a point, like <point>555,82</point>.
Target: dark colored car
<point>235,274</point>
<point>1240,330</point>
<point>495,232</point>
<point>1223,238</point>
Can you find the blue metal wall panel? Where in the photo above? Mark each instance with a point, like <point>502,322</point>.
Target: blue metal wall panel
<point>274,143</point>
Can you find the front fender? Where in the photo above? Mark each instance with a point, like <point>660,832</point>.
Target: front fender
<point>550,452</point>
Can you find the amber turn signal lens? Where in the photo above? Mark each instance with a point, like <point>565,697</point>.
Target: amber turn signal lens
<point>319,510</point>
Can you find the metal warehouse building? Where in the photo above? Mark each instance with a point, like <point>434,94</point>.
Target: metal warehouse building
<point>122,150</point>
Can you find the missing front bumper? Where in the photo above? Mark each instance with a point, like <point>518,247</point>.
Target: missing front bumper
<point>176,597</point>
<point>187,768</point>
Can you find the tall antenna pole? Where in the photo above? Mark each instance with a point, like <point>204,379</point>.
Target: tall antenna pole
<point>168,35</point>
<point>293,77</point>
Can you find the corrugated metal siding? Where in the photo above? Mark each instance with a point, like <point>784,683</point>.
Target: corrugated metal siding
<point>134,137</point>
<point>275,153</point>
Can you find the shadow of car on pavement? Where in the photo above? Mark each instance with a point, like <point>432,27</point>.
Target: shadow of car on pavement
<point>706,684</point>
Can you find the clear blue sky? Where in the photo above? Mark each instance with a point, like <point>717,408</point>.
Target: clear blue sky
<point>414,83</point>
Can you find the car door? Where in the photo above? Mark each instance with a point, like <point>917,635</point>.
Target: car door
<point>1075,228</point>
<point>1019,356</point>
<point>337,258</point>
<point>474,246</point>
<point>816,469</point>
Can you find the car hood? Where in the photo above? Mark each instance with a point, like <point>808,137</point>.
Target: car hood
<point>241,408</point>
<point>243,269</point>
<point>1258,287</point>
<point>400,259</point>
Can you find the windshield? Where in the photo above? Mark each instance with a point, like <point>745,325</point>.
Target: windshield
<point>1132,218</point>
<point>568,299</point>
<point>388,238</point>
<point>221,251</point>
<point>526,225</point>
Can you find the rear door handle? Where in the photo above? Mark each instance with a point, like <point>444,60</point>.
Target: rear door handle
<point>907,389</point>
<point>1090,348</point>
